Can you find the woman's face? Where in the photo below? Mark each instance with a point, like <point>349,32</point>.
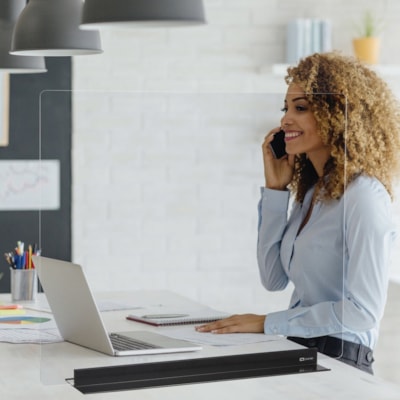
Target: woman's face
<point>301,131</point>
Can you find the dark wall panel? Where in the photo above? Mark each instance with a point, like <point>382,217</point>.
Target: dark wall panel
<point>32,104</point>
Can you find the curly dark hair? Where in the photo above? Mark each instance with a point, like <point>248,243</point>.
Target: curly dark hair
<point>357,116</point>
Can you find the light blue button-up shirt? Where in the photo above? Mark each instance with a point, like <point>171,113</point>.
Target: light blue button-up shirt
<point>338,263</point>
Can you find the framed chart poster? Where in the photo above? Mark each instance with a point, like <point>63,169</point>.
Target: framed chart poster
<point>4,108</point>
<point>29,185</point>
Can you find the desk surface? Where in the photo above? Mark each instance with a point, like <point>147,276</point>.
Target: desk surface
<point>40,371</point>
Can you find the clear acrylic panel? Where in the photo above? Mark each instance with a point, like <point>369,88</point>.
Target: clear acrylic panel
<point>165,188</point>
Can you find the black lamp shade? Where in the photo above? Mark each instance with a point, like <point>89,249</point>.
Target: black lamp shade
<point>51,28</point>
<point>9,12</point>
<point>149,12</point>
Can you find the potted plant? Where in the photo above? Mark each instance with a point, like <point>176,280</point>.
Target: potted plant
<point>367,45</point>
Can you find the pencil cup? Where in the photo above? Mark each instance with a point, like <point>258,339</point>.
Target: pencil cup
<point>24,284</point>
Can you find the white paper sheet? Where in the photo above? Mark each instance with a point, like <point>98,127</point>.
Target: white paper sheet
<point>44,332</point>
<point>104,305</point>
<point>212,339</point>
<point>24,335</point>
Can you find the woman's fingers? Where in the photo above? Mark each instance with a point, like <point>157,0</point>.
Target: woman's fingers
<point>237,323</point>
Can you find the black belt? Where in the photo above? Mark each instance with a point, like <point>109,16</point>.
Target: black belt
<point>337,348</point>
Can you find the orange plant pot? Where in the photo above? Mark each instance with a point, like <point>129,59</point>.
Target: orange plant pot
<point>367,49</point>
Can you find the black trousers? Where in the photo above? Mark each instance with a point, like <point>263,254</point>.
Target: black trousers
<point>356,355</point>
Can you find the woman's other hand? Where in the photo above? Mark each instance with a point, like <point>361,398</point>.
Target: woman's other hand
<point>245,323</point>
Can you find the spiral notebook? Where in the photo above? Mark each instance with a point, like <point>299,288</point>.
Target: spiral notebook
<point>168,319</point>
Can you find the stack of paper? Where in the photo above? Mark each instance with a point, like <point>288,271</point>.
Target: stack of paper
<point>11,309</point>
<point>17,327</point>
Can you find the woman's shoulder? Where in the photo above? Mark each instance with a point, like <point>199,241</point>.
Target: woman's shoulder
<point>368,206</point>
<point>366,193</point>
<point>365,185</point>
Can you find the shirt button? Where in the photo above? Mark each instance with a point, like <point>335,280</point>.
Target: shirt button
<point>369,356</point>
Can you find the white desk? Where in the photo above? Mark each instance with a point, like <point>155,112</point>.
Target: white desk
<point>38,372</point>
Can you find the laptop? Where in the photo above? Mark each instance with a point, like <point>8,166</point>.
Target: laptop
<point>79,321</point>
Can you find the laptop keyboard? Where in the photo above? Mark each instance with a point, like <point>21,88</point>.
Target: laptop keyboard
<point>121,343</point>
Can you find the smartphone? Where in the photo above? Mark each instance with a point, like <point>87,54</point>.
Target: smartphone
<point>277,145</point>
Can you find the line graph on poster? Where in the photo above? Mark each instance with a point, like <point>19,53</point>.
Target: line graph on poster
<point>29,185</point>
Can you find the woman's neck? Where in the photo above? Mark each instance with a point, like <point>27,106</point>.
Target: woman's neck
<point>318,160</point>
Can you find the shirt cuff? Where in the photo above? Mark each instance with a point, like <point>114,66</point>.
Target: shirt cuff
<point>276,323</point>
<point>275,200</point>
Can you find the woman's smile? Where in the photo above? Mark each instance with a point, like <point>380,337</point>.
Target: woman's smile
<point>291,135</point>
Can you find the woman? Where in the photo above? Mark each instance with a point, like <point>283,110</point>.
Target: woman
<point>341,125</point>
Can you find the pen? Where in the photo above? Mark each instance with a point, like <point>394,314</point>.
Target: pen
<point>29,257</point>
<point>159,316</point>
<point>20,246</point>
<point>10,259</point>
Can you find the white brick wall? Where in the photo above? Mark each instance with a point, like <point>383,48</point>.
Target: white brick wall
<point>166,162</point>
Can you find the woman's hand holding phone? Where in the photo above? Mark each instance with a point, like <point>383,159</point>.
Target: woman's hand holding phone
<point>278,171</point>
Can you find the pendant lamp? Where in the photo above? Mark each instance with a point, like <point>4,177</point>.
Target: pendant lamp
<point>104,13</point>
<point>9,12</point>
<point>51,28</point>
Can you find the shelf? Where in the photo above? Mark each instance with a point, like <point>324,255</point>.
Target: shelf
<point>385,70</point>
